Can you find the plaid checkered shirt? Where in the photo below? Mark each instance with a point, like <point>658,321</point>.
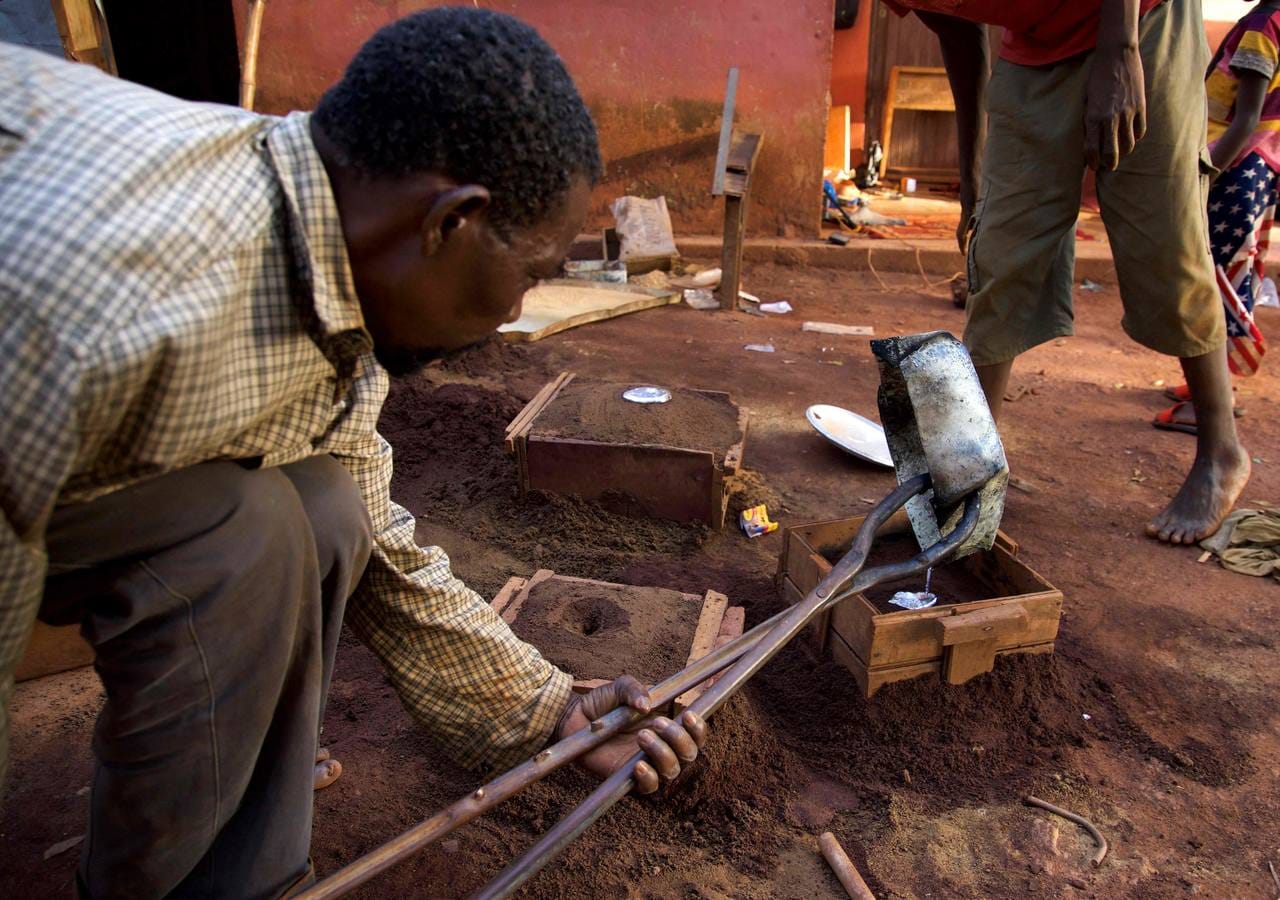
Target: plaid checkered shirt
<point>175,288</point>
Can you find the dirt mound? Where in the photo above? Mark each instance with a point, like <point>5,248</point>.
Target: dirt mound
<point>747,489</point>
<point>981,741</point>
<point>448,441</point>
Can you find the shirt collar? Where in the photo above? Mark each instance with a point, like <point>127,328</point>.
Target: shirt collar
<point>319,248</point>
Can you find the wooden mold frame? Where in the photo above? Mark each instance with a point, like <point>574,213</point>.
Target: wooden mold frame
<point>718,623</point>
<point>957,641</point>
<point>675,483</point>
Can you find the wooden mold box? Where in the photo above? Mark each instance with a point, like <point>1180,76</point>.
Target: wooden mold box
<point>711,621</point>
<point>683,484</point>
<point>1018,613</point>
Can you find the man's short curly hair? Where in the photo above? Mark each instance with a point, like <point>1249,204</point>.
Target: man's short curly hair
<point>472,94</point>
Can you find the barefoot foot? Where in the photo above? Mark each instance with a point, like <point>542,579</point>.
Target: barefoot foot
<point>1211,489</point>
<point>327,770</point>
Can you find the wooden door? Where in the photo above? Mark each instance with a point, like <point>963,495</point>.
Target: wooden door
<point>921,139</point>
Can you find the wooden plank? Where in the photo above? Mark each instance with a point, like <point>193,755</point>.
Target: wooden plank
<point>871,680</point>
<point>512,608</point>
<point>508,593</point>
<point>83,33</point>
<point>558,305</point>
<point>836,148</point>
<point>705,635</point>
<point>726,133</point>
<point>923,88</point>
<point>964,661</point>
<point>1003,623</point>
<point>735,221</point>
<point>548,392</point>
<point>911,636</point>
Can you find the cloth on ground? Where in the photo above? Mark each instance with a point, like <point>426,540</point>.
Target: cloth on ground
<point>1248,542</point>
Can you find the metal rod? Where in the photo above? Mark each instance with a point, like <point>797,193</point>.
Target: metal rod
<point>567,830</point>
<point>840,583</point>
<point>570,748</point>
<point>544,763</point>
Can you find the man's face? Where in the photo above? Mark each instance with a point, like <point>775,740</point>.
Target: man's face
<point>426,296</point>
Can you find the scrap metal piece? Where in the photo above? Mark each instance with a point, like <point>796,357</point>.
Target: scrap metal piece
<point>936,420</point>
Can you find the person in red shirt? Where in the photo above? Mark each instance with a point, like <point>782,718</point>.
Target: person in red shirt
<point>1115,85</point>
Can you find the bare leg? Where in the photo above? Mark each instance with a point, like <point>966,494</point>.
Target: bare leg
<point>1221,468</point>
<point>995,381</point>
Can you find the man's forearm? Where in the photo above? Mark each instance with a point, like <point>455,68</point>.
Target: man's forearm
<point>967,59</point>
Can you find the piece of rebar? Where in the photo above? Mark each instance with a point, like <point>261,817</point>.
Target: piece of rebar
<point>602,729</point>
<point>1084,823</point>
<point>842,865</point>
<point>544,763</point>
<point>841,582</point>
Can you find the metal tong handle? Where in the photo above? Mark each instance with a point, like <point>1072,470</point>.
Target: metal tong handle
<point>544,763</point>
<point>839,584</point>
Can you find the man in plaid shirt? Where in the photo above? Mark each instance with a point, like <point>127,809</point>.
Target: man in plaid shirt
<point>199,309</point>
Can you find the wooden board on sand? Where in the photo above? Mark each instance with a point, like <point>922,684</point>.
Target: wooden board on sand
<point>559,304</point>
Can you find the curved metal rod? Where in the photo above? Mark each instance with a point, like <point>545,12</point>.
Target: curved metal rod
<point>568,749</point>
<point>837,585</point>
<point>544,763</point>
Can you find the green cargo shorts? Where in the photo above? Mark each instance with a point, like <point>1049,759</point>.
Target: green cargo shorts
<point>1022,252</point>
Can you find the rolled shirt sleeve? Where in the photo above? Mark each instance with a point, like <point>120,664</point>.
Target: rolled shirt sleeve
<point>488,697</point>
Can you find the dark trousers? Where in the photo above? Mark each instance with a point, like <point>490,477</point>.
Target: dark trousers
<point>213,597</point>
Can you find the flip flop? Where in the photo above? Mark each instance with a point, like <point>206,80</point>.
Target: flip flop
<point>1182,393</point>
<point>1167,420</point>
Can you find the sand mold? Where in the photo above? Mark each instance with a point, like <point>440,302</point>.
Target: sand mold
<point>595,411</point>
<point>596,630</point>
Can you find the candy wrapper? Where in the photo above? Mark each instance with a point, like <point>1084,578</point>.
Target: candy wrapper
<point>755,521</point>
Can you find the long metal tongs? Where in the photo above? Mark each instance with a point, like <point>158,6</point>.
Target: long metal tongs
<point>742,657</point>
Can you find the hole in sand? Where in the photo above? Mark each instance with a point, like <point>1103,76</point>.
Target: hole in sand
<point>591,616</point>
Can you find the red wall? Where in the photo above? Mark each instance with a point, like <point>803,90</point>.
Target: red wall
<point>849,73</point>
<point>653,76</point>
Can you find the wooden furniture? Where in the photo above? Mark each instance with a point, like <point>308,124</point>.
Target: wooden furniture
<point>735,158</point>
<point>919,88</point>
<point>679,483</point>
<point>955,640</point>
<point>717,623</point>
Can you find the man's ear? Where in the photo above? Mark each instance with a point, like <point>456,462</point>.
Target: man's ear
<point>451,211</point>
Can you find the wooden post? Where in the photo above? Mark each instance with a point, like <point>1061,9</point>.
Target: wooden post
<point>249,68</point>
<point>735,221</point>
<point>83,31</point>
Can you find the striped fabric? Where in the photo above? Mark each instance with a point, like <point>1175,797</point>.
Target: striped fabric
<point>1242,208</point>
<point>1252,45</point>
<point>174,288</point>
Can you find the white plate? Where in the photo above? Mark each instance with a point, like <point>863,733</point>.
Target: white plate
<point>851,432</point>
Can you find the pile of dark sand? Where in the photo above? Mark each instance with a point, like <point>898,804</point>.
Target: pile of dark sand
<point>595,411</point>
<point>451,468</point>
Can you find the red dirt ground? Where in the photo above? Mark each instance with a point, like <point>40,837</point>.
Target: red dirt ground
<point>1174,662</point>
